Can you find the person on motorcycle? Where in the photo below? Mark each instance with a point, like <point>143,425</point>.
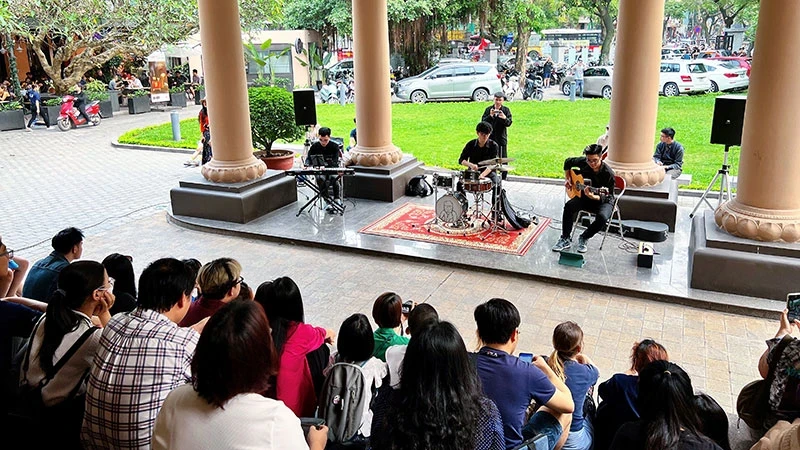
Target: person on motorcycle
<point>80,102</point>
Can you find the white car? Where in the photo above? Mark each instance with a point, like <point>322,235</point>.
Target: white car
<point>726,76</point>
<point>476,81</point>
<point>596,82</point>
<point>683,77</point>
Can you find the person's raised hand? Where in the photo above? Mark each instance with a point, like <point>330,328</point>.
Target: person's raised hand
<point>104,304</point>
<point>330,336</point>
<point>317,437</point>
<point>568,184</point>
<point>539,362</point>
<point>785,325</point>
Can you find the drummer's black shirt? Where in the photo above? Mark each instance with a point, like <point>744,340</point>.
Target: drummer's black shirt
<point>474,153</point>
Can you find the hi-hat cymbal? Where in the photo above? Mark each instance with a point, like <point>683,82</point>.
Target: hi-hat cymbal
<point>494,161</point>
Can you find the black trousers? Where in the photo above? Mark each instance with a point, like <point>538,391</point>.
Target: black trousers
<point>324,181</point>
<point>33,116</point>
<point>601,211</point>
<point>503,154</point>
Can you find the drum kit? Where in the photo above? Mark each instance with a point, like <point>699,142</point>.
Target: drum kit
<point>453,213</point>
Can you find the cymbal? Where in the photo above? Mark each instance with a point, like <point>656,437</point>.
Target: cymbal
<point>493,161</point>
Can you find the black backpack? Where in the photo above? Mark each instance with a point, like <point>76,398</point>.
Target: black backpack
<point>419,187</point>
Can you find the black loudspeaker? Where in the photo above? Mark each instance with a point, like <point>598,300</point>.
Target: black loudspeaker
<point>726,129</point>
<point>305,107</point>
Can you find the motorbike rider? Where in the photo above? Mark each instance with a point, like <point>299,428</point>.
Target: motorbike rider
<point>80,102</point>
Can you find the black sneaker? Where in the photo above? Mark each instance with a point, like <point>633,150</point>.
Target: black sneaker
<point>562,244</point>
<point>582,247</point>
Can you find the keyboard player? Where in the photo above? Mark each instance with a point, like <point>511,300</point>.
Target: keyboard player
<point>326,153</point>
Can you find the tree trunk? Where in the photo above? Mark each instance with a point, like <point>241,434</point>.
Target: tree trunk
<point>12,65</point>
<point>523,36</point>
<point>607,23</point>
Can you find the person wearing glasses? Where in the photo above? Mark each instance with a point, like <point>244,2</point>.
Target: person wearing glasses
<point>62,347</point>
<point>219,282</point>
<point>12,272</point>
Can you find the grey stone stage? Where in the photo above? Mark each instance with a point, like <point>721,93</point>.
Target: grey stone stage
<point>612,270</point>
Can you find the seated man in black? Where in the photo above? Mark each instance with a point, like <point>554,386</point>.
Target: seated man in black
<point>593,169</point>
<point>326,152</point>
<point>481,149</point>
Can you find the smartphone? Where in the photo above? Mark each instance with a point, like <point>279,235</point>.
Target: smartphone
<point>13,265</point>
<point>307,422</point>
<point>526,357</point>
<point>406,309</point>
<point>793,305</point>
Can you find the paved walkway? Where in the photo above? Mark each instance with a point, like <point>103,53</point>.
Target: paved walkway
<point>53,179</point>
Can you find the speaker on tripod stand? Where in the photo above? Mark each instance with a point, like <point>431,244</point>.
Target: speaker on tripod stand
<point>726,129</point>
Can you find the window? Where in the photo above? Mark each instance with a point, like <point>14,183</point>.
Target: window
<point>602,73</point>
<point>281,65</point>
<point>347,65</point>
<point>697,68</point>
<point>463,71</point>
<point>445,73</point>
<point>480,70</point>
<point>590,72</point>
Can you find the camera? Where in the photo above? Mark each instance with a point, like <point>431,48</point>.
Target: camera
<point>407,307</point>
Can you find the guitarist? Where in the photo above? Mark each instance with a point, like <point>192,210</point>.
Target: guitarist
<point>591,167</point>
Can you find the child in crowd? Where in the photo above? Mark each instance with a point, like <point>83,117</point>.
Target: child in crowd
<point>388,314</point>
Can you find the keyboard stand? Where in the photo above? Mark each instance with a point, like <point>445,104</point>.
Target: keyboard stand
<point>321,195</point>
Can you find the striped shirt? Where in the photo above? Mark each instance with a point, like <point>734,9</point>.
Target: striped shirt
<point>142,357</point>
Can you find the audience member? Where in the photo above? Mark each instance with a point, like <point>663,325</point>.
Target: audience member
<point>143,355</point>
<point>194,265</point>
<point>301,348</point>
<point>498,323</point>
<point>619,394</point>
<point>579,374</point>
<point>61,349</point>
<point>224,407</point>
<point>387,311</point>
<point>219,282</point>
<point>42,280</point>
<point>12,272</point>
<point>669,419</point>
<point>713,420</point>
<point>355,346</point>
<point>16,324</point>
<point>669,154</point>
<point>439,405</point>
<point>784,394</point>
<point>245,292</point>
<point>120,268</point>
<point>420,317</point>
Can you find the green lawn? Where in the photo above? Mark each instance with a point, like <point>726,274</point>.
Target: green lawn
<point>542,135</point>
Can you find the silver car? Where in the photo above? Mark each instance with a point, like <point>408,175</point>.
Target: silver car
<point>476,81</point>
<point>596,81</point>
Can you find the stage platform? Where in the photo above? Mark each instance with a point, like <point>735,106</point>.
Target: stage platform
<point>613,270</point>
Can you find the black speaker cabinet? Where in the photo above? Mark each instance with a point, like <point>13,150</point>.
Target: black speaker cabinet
<point>726,129</point>
<point>305,108</point>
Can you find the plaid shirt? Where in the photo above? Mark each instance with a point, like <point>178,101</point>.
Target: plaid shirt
<point>142,357</point>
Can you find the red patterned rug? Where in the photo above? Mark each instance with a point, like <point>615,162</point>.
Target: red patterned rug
<point>409,222</point>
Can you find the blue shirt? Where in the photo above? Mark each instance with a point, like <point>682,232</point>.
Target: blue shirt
<point>618,396</point>
<point>34,97</point>
<point>511,384</point>
<point>42,279</point>
<point>580,377</point>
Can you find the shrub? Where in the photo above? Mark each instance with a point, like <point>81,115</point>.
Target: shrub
<point>12,106</point>
<point>272,116</point>
<point>96,86</point>
<point>52,102</point>
<point>138,93</point>
<point>177,90</point>
<point>97,96</point>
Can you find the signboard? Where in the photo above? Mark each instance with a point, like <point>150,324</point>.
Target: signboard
<point>159,86</point>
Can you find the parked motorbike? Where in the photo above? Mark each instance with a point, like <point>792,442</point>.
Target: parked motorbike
<point>70,117</point>
<point>510,82</point>
<point>533,86</point>
<point>327,93</point>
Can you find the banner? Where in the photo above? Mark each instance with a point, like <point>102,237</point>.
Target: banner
<point>159,87</point>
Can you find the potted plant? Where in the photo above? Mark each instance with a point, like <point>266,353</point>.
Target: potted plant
<point>138,101</point>
<point>199,93</point>
<point>51,109</point>
<point>11,116</point>
<point>97,91</point>
<point>177,96</point>
<point>272,118</point>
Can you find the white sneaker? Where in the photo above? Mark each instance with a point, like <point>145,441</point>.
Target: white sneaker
<point>28,129</point>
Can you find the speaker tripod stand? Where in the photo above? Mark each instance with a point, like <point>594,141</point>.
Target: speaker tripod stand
<point>724,187</point>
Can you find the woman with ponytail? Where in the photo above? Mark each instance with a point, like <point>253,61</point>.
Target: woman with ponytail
<point>579,374</point>
<point>63,345</point>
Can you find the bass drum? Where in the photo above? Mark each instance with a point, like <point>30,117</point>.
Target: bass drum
<point>452,208</point>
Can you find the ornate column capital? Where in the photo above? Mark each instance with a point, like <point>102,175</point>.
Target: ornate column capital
<point>375,156</point>
<point>638,174</point>
<point>759,224</point>
<point>233,171</point>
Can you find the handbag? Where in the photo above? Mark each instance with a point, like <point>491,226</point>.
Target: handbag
<point>752,404</point>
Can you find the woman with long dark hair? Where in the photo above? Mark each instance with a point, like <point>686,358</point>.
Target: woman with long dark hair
<point>440,402</point>
<point>669,419</point>
<point>120,268</point>
<point>301,347</point>
<point>62,347</point>
<point>619,394</point>
<point>225,406</point>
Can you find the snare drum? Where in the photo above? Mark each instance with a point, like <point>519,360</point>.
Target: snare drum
<point>443,181</point>
<point>482,185</point>
<point>452,208</point>
<point>471,175</point>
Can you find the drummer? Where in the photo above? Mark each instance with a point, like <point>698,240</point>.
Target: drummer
<point>481,149</point>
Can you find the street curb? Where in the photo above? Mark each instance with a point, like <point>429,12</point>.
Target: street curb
<point>150,148</point>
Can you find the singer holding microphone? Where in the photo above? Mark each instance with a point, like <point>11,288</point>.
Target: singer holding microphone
<point>499,117</point>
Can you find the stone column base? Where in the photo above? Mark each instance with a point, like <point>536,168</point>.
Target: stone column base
<point>759,224</point>
<point>638,174</point>
<point>375,156</point>
<point>233,171</point>
<point>384,183</point>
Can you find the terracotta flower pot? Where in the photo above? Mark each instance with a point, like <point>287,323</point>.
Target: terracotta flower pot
<point>279,160</point>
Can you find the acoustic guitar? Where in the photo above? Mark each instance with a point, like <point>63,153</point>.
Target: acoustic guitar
<point>578,186</point>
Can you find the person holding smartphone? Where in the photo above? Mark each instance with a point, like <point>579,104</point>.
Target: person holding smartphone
<point>784,400</point>
<point>499,117</point>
